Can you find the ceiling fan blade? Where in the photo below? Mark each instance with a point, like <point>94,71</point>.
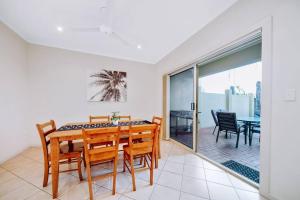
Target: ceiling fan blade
<point>88,29</point>
<point>120,38</point>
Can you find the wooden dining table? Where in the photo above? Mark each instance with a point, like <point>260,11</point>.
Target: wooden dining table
<point>70,135</point>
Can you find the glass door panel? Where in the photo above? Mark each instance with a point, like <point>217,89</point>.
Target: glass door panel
<point>182,107</point>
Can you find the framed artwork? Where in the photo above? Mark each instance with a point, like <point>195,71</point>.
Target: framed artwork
<point>107,86</point>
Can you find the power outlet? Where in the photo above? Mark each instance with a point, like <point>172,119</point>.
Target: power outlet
<point>290,95</point>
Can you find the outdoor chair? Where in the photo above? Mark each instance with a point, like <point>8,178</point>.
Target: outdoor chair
<point>228,123</point>
<point>254,129</point>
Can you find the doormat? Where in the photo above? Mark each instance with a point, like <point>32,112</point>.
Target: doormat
<point>243,170</point>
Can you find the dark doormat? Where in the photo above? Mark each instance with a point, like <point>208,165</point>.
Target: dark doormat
<point>243,170</point>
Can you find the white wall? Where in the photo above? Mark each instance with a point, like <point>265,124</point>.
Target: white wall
<point>242,105</point>
<point>13,94</point>
<point>285,139</point>
<point>208,102</point>
<point>58,87</point>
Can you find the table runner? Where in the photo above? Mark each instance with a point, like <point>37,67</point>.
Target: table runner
<point>100,125</point>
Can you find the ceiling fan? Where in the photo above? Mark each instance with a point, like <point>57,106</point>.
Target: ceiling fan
<point>106,26</point>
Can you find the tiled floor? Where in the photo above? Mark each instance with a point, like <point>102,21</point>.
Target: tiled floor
<point>225,149</point>
<point>181,175</point>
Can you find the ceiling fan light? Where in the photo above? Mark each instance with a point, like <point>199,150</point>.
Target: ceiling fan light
<point>60,29</point>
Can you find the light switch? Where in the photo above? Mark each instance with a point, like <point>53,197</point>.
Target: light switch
<point>290,95</point>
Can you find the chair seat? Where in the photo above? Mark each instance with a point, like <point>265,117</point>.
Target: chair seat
<point>139,151</point>
<point>77,147</point>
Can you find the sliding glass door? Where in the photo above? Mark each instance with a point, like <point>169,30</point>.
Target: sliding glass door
<point>182,107</point>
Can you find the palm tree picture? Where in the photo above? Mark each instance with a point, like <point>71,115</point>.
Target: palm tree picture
<point>107,85</point>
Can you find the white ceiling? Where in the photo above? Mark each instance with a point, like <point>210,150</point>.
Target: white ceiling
<point>159,26</point>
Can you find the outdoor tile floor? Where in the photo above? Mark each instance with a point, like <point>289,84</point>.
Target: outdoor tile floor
<point>181,175</point>
<point>225,149</point>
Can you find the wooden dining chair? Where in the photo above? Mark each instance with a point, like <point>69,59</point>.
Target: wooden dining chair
<point>124,117</point>
<point>66,155</point>
<point>94,119</point>
<point>158,121</point>
<point>142,143</point>
<point>101,153</point>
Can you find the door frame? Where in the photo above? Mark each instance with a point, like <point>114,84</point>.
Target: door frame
<point>266,27</point>
<point>167,122</point>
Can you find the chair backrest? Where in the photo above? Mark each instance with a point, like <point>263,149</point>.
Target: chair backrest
<point>227,121</point>
<point>44,130</point>
<point>101,135</point>
<point>158,121</point>
<point>94,119</point>
<point>146,135</point>
<point>124,117</point>
<point>214,115</point>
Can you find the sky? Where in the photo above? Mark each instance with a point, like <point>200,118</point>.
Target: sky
<point>245,77</point>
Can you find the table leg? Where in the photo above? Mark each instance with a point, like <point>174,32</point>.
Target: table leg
<point>246,132</point>
<point>54,165</point>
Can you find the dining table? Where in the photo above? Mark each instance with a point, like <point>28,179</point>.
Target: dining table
<point>249,121</point>
<point>72,132</point>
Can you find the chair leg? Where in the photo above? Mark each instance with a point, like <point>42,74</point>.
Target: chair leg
<point>46,173</point>
<point>145,161</point>
<point>132,173</point>
<point>156,158</point>
<point>89,176</point>
<point>214,130</point>
<point>218,136</point>
<point>83,158</point>
<point>250,138</point>
<point>226,136</point>
<point>124,161</point>
<point>141,160</point>
<point>237,140</point>
<point>115,176</point>
<point>158,148</point>
<point>79,169</point>
<point>151,168</point>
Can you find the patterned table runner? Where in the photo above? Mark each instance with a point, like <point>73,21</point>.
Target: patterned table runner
<point>100,125</point>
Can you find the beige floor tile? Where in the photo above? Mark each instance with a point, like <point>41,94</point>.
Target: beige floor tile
<point>16,162</point>
<point>2,170</point>
<point>23,191</point>
<point>195,187</point>
<point>161,163</point>
<point>186,196</point>
<point>40,195</point>
<point>237,183</point>
<point>145,175</point>
<point>123,183</point>
<point>106,194</point>
<point>11,184</point>
<point>162,193</point>
<point>194,160</point>
<point>78,191</point>
<point>29,169</point>
<point>34,153</point>
<point>173,167</point>
<point>143,191</point>
<point>170,180</point>
<point>124,198</point>
<point>208,165</point>
<point>192,171</point>
<point>246,195</point>
<point>6,176</point>
<point>181,175</point>
<point>221,192</point>
<point>217,177</point>
<point>176,158</point>
<point>66,182</point>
